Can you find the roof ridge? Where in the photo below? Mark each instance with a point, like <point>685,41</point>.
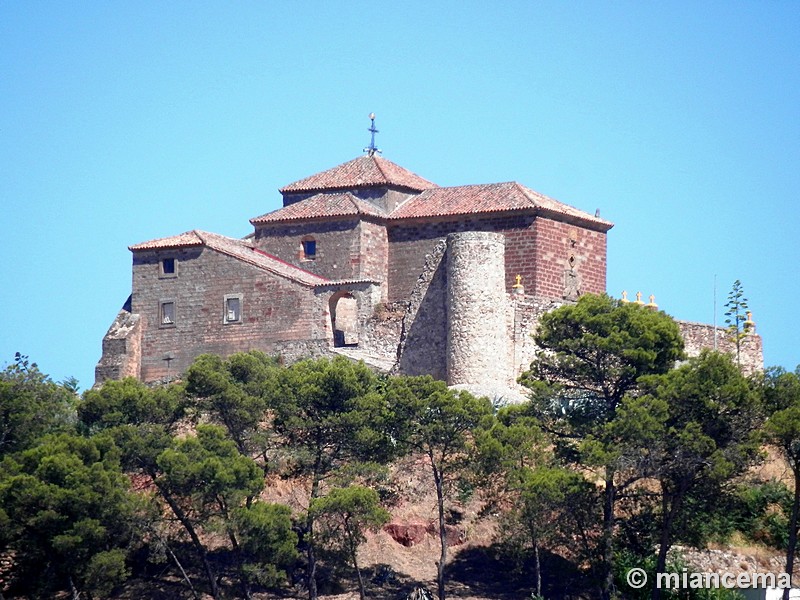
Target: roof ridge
<point>352,199</point>
<point>526,192</point>
<point>380,168</point>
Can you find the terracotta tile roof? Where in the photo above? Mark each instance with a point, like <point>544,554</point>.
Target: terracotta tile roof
<point>488,198</point>
<point>364,171</point>
<point>184,240</point>
<point>239,249</point>
<point>321,206</point>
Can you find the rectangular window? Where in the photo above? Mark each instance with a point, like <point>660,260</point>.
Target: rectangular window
<point>167,313</point>
<point>232,309</point>
<point>309,249</point>
<point>168,267</point>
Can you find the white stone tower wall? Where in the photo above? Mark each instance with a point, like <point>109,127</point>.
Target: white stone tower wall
<point>477,333</point>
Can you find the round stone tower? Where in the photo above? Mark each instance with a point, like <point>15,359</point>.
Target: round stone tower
<point>477,337</point>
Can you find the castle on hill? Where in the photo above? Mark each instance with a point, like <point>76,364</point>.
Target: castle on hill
<point>372,261</point>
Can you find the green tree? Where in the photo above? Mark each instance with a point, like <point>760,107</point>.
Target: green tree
<point>707,414</point>
<point>234,393</point>
<point>507,456</point>
<point>782,398</point>
<point>330,415</point>
<point>132,403</point>
<point>267,544</point>
<point>593,354</point>
<point>68,516</point>
<point>31,405</point>
<point>736,317</point>
<point>438,423</point>
<point>346,514</point>
<point>203,478</point>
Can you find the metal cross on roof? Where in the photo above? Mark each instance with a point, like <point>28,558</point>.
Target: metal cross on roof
<point>372,149</point>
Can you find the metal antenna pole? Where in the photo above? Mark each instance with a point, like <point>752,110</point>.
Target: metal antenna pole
<point>715,312</point>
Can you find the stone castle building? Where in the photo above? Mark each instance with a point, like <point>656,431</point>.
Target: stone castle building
<point>370,260</point>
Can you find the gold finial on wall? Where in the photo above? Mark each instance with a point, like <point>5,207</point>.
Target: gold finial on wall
<point>749,324</point>
<point>625,296</point>
<point>517,287</point>
<point>652,304</point>
<point>639,299</point>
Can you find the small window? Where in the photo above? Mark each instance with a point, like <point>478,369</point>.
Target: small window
<point>233,309</point>
<point>168,267</point>
<point>167,314</point>
<point>309,249</point>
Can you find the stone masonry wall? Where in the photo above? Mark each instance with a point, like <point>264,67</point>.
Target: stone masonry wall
<point>122,348</point>
<point>477,336</point>
<point>338,246</point>
<point>699,336</point>
<point>538,249</point>
<point>525,312</point>
<point>276,313</point>
<point>410,243</point>
<point>423,338</point>
<point>374,253</point>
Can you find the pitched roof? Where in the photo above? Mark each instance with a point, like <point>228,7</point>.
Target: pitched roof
<point>364,171</point>
<point>239,249</point>
<point>184,240</point>
<point>488,198</point>
<point>321,206</point>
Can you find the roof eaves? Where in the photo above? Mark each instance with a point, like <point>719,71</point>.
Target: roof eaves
<point>154,245</point>
<point>446,215</point>
<point>340,282</point>
<point>587,221</point>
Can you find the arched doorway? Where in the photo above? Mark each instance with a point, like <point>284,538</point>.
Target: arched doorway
<point>344,319</point>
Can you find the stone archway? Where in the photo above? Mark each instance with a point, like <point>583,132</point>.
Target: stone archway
<point>344,319</point>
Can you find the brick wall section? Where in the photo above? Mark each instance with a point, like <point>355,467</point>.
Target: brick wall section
<point>338,246</point>
<point>374,246</point>
<point>554,243</point>
<point>276,312</point>
<point>536,248</point>
<point>384,198</point>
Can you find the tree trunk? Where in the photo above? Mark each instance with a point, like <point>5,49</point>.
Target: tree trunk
<point>608,535</point>
<point>187,525</point>
<point>537,569</point>
<point>237,551</point>
<point>437,477</point>
<point>73,590</point>
<point>311,555</point>
<point>362,592</point>
<point>182,570</point>
<point>664,543</point>
<point>790,548</point>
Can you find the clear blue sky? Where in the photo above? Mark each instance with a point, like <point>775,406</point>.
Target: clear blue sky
<point>122,122</point>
